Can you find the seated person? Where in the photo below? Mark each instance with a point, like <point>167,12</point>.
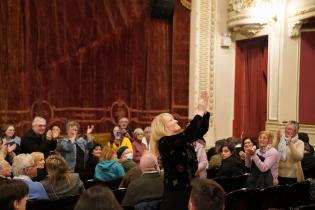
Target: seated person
<point>117,140</point>
<point>5,170</point>
<point>231,165</point>
<point>308,161</point>
<point>24,169</point>
<point>137,145</point>
<point>206,194</point>
<point>125,158</point>
<point>108,168</point>
<point>93,159</point>
<point>40,164</point>
<point>216,159</point>
<point>97,198</point>
<point>13,195</point>
<point>149,185</point>
<point>60,181</point>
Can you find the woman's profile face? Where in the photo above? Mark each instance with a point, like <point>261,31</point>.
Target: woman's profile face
<point>172,124</point>
<point>226,153</point>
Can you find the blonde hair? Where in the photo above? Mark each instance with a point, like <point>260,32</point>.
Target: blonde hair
<point>158,130</point>
<point>57,169</point>
<point>269,135</point>
<point>71,124</point>
<point>37,156</point>
<point>107,154</point>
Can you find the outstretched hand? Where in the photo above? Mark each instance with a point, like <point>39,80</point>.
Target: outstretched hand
<point>202,102</point>
<point>89,129</point>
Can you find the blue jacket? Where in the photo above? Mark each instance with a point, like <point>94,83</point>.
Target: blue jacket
<point>68,150</point>
<point>36,190</point>
<point>108,170</point>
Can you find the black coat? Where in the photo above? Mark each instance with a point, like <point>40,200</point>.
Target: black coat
<point>33,143</point>
<point>179,157</point>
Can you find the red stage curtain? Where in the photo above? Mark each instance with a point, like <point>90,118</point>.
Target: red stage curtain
<point>307,75</point>
<point>91,61</point>
<point>250,108</point>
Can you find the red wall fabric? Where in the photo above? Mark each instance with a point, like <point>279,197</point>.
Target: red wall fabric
<point>91,61</point>
<point>250,103</point>
<point>307,75</point>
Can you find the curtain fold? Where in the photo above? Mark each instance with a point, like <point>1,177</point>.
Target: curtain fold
<point>250,109</point>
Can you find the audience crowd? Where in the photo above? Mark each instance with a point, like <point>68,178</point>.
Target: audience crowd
<point>43,164</point>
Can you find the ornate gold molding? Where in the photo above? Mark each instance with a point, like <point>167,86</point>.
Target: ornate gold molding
<point>249,30</point>
<point>294,28</point>
<point>186,4</point>
<point>303,10</point>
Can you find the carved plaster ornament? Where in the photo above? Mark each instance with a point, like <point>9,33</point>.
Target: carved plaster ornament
<point>295,28</point>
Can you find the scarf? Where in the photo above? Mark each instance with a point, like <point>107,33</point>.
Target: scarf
<point>282,147</point>
<point>268,147</point>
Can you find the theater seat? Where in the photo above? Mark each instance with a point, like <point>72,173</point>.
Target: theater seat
<point>273,197</point>
<point>113,185</point>
<point>242,199</point>
<point>66,203</point>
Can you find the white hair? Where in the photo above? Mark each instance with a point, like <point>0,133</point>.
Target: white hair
<point>21,162</point>
<point>38,120</point>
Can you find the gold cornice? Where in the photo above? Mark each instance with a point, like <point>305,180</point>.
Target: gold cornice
<point>212,64</point>
<point>242,17</point>
<point>302,12</point>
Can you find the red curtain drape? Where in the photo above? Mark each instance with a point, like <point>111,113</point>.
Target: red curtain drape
<point>91,61</point>
<point>250,103</point>
<point>307,74</point>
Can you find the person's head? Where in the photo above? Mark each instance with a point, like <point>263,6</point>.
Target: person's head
<point>73,128</point>
<point>218,144</point>
<point>265,138</point>
<point>39,159</point>
<point>149,162</point>
<point>162,125</point>
<point>57,168</point>
<point>124,153</point>
<point>226,150</point>
<point>123,123</point>
<point>24,164</point>
<point>55,129</point>
<point>147,133</point>
<point>291,128</point>
<point>138,134</point>
<point>8,131</point>
<point>39,125</point>
<point>206,194</point>
<point>96,150</point>
<point>108,154</point>
<point>248,142</point>
<point>115,132</point>
<point>13,195</point>
<point>304,137</point>
<point>97,198</point>
<point>5,168</point>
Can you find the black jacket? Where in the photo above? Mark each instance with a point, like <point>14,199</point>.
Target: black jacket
<point>33,143</point>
